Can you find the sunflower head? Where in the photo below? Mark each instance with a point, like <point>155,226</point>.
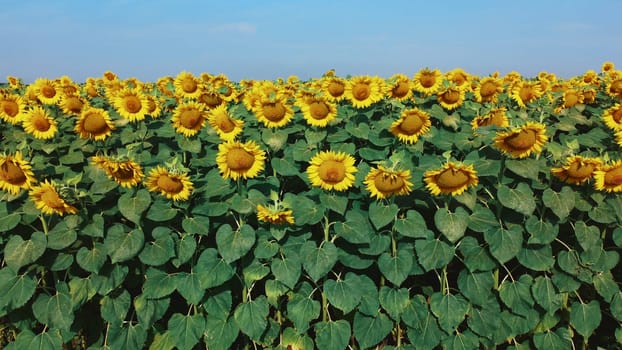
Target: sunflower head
<point>452,179</point>
<point>189,118</point>
<point>187,85</point>
<point>39,123</point>
<point>496,117</point>
<point>240,160</point>
<point>609,177</point>
<point>12,108</point>
<point>334,88</point>
<point>227,127</point>
<point>450,97</point>
<point>72,104</point>
<point>331,170</point>
<point>412,124</point>
<point>172,183</point>
<point>125,172</point>
<point>318,111</point>
<point>614,87</point>
<point>488,90</point>
<point>94,123</point>
<point>131,104</point>
<point>48,197</point>
<point>47,91</point>
<point>613,117</point>
<point>399,87</point>
<point>577,169</point>
<point>14,82</point>
<point>523,141</point>
<point>607,66</point>
<point>572,97</point>
<point>15,173</point>
<point>273,111</point>
<point>275,214</point>
<point>428,81</point>
<point>384,182</point>
<point>363,91</point>
<point>524,92</point>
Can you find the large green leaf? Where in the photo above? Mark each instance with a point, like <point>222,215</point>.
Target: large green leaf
<point>381,215</point>
<point>557,340</point>
<point>15,290</point>
<point>286,271</point>
<point>606,285</point>
<point>396,268</point>
<point>517,295</point>
<point>585,318</point>
<point>394,301</point>
<point>449,309</point>
<point>61,236</point>
<point>476,286</point>
<point>197,224</point>
<point>318,261</point>
<point>461,341</point>
<point>19,252</point>
<point>251,317</point>
<point>344,294</point>
<point>334,201</point>
<point>127,336</point>
<point>540,231</point>
<point>212,269</point>
<point>9,221</point>
<point>332,335</point>
<point>588,236</point>
<point>536,257</point>
<point>369,330</point>
<point>545,294</point>
<point>159,283</point>
<point>520,198</point>
<point>161,249</point>
<point>54,310</point>
<point>413,225</point>
<point>561,203</point>
<point>114,306</point>
<point>426,334</point>
<point>161,211</point>
<point>121,245</point>
<point>452,225</point>
<point>476,257</point>
<point>133,206</point>
<point>232,245</point>
<point>434,253</point>
<point>355,229</point>
<point>92,260</point>
<point>302,310</point>
<point>220,333</point>
<point>482,219</point>
<point>186,330</point>
<point>189,286</point>
<point>504,243</point>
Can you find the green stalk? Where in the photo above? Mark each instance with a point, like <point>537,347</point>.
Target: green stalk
<point>44,224</point>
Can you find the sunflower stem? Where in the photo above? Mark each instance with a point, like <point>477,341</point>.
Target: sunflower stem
<point>325,315</point>
<point>44,224</point>
<point>326,229</point>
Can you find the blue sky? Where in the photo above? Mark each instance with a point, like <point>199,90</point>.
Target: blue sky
<point>266,39</point>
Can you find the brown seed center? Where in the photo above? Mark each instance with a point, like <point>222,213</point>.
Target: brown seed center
<point>225,124</point>
<point>41,123</point>
<point>450,96</point>
<point>614,177</point>
<point>274,111</point>
<point>74,104</point>
<point>361,91</point>
<point>521,140</point>
<point>488,89</point>
<point>319,110</point>
<point>132,104</point>
<point>332,171</point>
<point>48,91</point>
<point>526,94</point>
<point>52,199</point>
<point>411,124</point>
<point>452,178</point>
<point>401,89</point>
<point>570,100</point>
<point>336,89</point>
<point>617,115</point>
<point>579,170</point>
<point>388,183</point>
<point>191,118</point>
<point>12,173</point>
<point>95,123</point>
<point>239,159</point>
<point>189,85</point>
<point>211,100</point>
<point>427,79</point>
<point>10,108</point>
<point>123,172</point>
<point>170,184</point>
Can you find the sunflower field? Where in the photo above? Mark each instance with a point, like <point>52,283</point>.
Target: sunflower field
<point>441,210</point>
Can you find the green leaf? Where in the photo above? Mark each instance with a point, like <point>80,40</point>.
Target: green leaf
<point>286,271</point>
<point>332,335</point>
<point>605,285</point>
<point>413,225</point>
<point>449,309</point>
<point>617,237</point>
<point>585,318</point>
<point>318,261</point>
<point>433,254</point>
<point>396,268</point>
<point>114,306</point>
<point>476,286</point>
<point>476,257</point>
<point>185,248</point>
<point>557,340</point>
<point>370,305</point>
<point>482,219</point>
<point>343,294</point>
<point>302,310</point>
<point>219,305</point>
<point>15,290</point>
<point>18,253</point>
<point>504,244</point>
<point>452,225</point>
<point>616,306</point>
<point>121,245</point>
<point>528,168</point>
<point>161,210</point>
<point>220,333</point>
<point>61,236</point>
<point>186,330</point>
<point>370,331</point>
<point>198,224</point>
<point>213,270</point>
<point>381,215</point>
<point>461,340</point>
<point>517,295</point>
<point>561,203</point>
<point>520,198</point>
<point>335,202</point>
<point>8,222</point>
<point>190,145</point>
<point>148,311</point>
<point>394,301</point>
<point>232,245</point>
<point>189,286</point>
<point>426,334</point>
<point>306,210</point>
<point>22,341</point>
<point>92,260</point>
<point>46,341</point>
<point>540,231</point>
<point>545,294</point>
<point>160,250</point>
<point>587,236</point>
<point>284,167</point>
<point>132,207</point>
<point>95,227</point>
<point>162,341</point>
<point>355,229</point>
<point>251,317</point>
<point>536,257</point>
<point>54,310</point>
<point>158,283</point>
<point>127,336</point>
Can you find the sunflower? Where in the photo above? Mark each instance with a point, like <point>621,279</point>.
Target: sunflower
<point>412,124</point>
<point>428,81</point>
<point>15,173</point>
<point>154,107</point>
<point>577,169</point>
<point>609,177</point>
<point>47,198</point>
<point>496,117</point>
<point>363,91</point>
<point>273,111</point>
<point>331,170</point>
<point>382,182</point>
<point>188,118</point>
<point>275,215</point>
<point>459,78</point>
<point>12,108</point>
<point>171,184</point>
<point>524,92</point>
<point>94,123</point>
<point>521,142</point>
<point>607,66</point>
<point>236,159</point>
<point>47,91</point>
<point>318,111</point>
<point>399,88</point>
<point>614,87</point>
<point>211,99</point>
<point>450,97</point>
<point>334,88</point>
<point>39,123</point>
<point>451,179</point>
<point>126,173</point>
<point>72,104</point>
<point>488,90</point>
<point>14,82</point>
<point>572,97</point>
<point>589,95</point>
<point>226,127</point>
<point>187,85</point>
<point>131,104</point>
<point>612,117</point>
